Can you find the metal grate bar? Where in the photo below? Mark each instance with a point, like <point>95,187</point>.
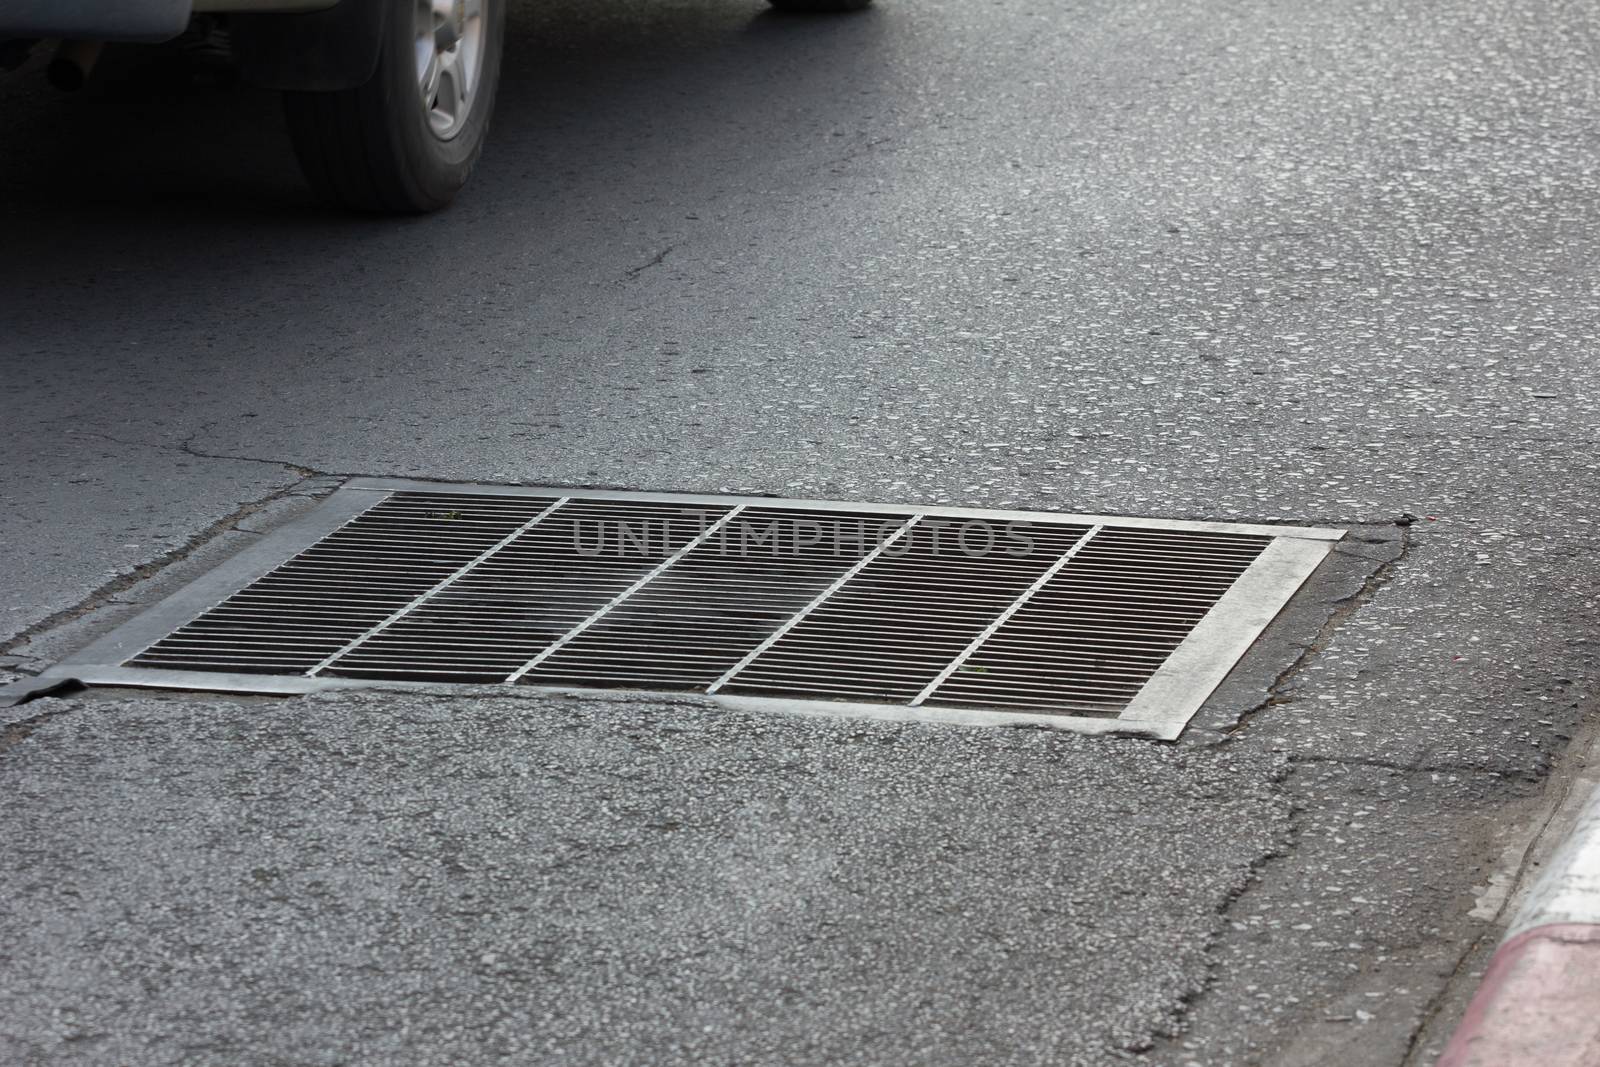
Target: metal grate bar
<point>434,534</point>
<point>401,612</point>
<point>1030,661</point>
<point>1000,620</point>
<point>529,594</point>
<point>704,536</point>
<point>904,616</point>
<point>800,615</point>
<point>720,600</point>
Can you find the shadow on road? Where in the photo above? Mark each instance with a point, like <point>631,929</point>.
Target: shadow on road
<point>586,88</point>
<point>151,210</point>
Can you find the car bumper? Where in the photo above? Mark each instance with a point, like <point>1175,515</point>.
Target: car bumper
<point>125,20</point>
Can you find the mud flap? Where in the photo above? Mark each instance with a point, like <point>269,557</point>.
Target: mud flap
<point>319,51</point>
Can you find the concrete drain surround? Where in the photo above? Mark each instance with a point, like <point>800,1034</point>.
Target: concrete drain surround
<point>953,614</point>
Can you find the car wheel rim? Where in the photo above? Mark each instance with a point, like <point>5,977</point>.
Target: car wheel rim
<point>449,51</point>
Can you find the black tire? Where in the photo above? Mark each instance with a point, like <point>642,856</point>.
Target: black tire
<point>820,7</point>
<point>371,148</point>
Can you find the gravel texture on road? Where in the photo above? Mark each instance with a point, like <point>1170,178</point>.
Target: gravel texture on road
<point>1324,262</point>
<point>382,878</point>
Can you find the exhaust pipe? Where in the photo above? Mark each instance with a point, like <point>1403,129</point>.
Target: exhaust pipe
<point>71,65</point>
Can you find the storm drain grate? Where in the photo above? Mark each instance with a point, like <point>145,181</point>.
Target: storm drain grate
<point>943,613</point>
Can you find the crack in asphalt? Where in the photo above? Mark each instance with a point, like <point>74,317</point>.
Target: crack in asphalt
<point>634,272</point>
<point>1425,1018</point>
<point>1193,998</point>
<point>186,447</point>
<point>103,594</point>
<point>1338,611</point>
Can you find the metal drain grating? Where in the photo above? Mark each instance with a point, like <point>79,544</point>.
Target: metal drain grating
<point>1096,624</point>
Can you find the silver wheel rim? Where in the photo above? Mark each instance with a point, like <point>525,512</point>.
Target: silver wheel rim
<point>449,49</point>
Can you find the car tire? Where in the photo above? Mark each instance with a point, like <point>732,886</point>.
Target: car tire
<point>386,146</point>
<point>820,7</point>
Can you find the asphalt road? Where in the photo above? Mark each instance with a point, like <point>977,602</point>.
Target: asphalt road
<point>1318,262</point>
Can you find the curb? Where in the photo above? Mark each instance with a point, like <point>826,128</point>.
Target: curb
<point>1539,1001</point>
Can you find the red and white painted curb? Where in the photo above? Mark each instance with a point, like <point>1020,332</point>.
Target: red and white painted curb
<point>1539,1002</point>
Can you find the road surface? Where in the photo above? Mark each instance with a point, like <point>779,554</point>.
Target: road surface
<point>1326,263</point>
